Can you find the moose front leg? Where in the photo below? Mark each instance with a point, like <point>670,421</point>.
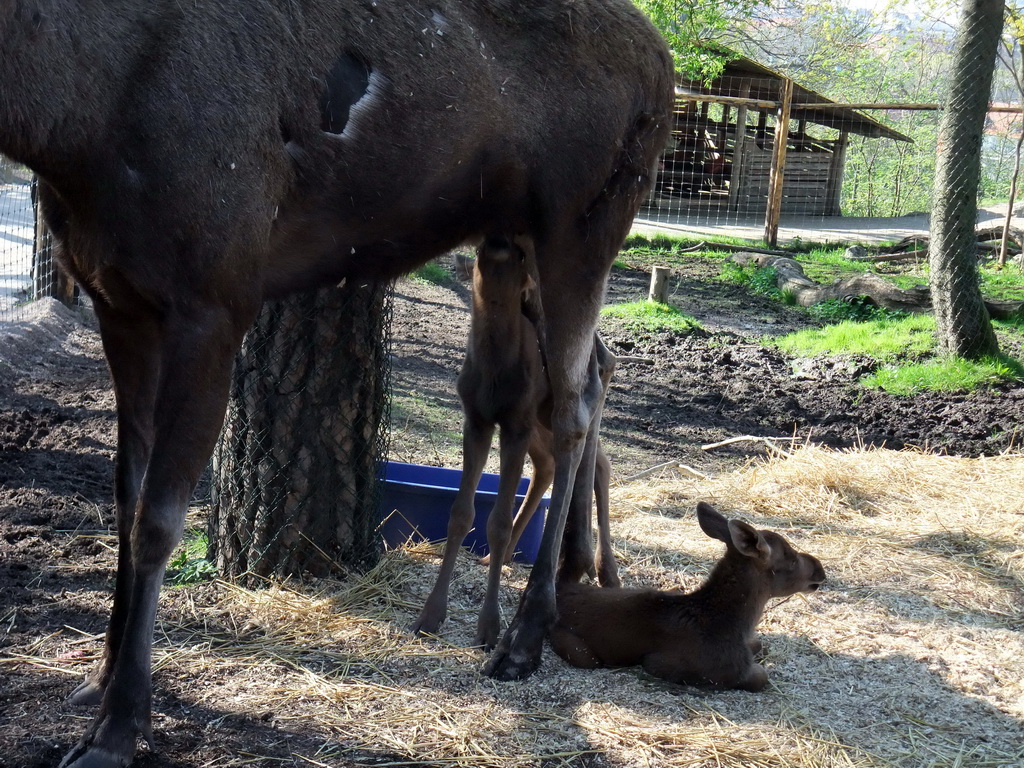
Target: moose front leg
<point>195,362</point>
<point>518,653</point>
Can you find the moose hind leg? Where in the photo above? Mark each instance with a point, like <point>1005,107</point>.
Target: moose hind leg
<point>543,473</point>
<point>577,556</point>
<point>499,528</point>
<point>607,566</point>
<point>196,353</point>
<point>132,351</point>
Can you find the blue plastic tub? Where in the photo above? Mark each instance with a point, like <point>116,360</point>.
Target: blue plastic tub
<point>417,500</point>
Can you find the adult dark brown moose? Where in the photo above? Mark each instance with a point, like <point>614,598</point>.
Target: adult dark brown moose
<point>197,158</point>
<point>704,637</point>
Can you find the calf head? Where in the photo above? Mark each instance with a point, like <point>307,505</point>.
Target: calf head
<point>783,570</point>
<point>504,273</point>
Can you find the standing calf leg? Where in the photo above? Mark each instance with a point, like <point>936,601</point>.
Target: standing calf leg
<point>541,453</point>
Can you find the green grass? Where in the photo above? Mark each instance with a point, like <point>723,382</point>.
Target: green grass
<point>642,251</point>
<point>189,564</point>
<point>945,375</point>
<point>859,309</point>
<point>674,243</point>
<point>433,273</point>
<point>762,280</point>
<point>651,316</point>
<point>1007,330</point>
<point>1006,284</point>
<point>907,343</point>
<point>885,339</point>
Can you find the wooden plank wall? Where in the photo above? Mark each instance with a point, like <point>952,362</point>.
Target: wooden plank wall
<point>805,183</point>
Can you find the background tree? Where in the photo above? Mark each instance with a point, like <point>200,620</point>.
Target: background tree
<point>964,327</point>
<point>1012,59</point>
<point>695,31</point>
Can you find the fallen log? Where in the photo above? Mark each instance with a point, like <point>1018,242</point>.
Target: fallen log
<point>918,245</point>
<point>880,258</point>
<point>878,290</point>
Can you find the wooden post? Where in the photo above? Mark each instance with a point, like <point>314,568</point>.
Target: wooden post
<point>44,268</point>
<point>736,175</point>
<point>48,278</point>
<point>659,284</point>
<point>834,190</point>
<point>771,219</point>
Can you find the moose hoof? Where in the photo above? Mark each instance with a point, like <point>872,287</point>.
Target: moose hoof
<point>88,694</point>
<point>110,742</point>
<point>93,757</point>
<point>425,625</point>
<point>508,666</point>
<point>515,658</point>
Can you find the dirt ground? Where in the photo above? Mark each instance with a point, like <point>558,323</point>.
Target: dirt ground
<point>672,395</point>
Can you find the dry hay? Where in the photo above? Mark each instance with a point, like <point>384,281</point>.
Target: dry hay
<point>912,655</point>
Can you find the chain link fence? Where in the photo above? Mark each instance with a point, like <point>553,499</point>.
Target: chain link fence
<point>17,241</point>
<point>28,269</point>
<point>856,174</point>
<point>794,145</point>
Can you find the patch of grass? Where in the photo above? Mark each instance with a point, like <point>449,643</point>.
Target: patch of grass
<point>762,280</point>
<point>885,339</point>
<point>432,273</point>
<point>951,374</point>
<point>823,264</point>
<point>1006,284</point>
<point>652,317</point>
<point>640,251</point>
<point>189,563</point>
<point>665,242</point>
<point>859,309</point>
<point>1012,329</point>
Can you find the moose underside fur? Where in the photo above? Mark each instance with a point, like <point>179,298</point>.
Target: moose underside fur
<point>197,158</point>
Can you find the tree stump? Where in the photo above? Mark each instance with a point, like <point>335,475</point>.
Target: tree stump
<point>295,472</point>
<point>659,284</point>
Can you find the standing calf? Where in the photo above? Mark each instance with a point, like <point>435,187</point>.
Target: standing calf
<point>503,383</point>
<point>542,448</point>
<point>705,637</point>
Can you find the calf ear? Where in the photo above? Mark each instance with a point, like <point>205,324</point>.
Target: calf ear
<point>713,522</point>
<point>748,541</point>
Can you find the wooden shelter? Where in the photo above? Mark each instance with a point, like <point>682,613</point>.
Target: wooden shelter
<point>725,153</point>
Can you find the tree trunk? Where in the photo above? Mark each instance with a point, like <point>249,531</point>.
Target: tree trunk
<point>295,472</point>
<point>964,327</point>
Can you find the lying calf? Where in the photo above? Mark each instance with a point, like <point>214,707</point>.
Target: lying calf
<point>705,637</point>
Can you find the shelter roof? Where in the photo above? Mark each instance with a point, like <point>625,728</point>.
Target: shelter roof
<point>746,79</point>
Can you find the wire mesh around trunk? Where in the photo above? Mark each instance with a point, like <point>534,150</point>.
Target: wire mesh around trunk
<point>295,473</point>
